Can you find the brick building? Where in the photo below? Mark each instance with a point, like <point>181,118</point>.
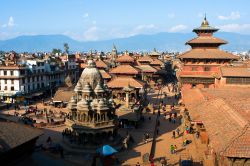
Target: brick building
<point>200,65</point>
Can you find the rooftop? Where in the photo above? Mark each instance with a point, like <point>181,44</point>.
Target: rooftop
<point>145,59</point>
<point>124,69</point>
<point>15,134</point>
<point>63,95</point>
<point>105,75</point>
<point>101,64</point>
<point>125,58</point>
<point>223,111</point>
<point>121,82</point>
<point>147,68</point>
<point>207,53</point>
<point>157,62</point>
<point>207,40</point>
<point>235,72</point>
<point>239,147</point>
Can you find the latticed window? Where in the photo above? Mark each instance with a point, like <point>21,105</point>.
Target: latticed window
<point>206,68</point>
<point>238,80</point>
<point>194,68</point>
<point>198,80</point>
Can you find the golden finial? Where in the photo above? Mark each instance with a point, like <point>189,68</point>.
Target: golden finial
<point>205,22</point>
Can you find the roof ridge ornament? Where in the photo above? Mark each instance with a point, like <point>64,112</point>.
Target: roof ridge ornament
<point>205,22</point>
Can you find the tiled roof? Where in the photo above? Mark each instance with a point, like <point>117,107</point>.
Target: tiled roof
<point>199,53</point>
<point>147,69</point>
<point>125,58</point>
<point>240,146</point>
<point>157,62</point>
<point>101,64</point>
<point>83,65</point>
<point>63,95</point>
<point>145,59</point>
<point>154,53</point>
<point>206,39</point>
<point>121,82</point>
<point>237,97</point>
<point>235,72</point>
<point>213,107</point>
<point>15,134</point>
<point>124,69</point>
<point>105,75</point>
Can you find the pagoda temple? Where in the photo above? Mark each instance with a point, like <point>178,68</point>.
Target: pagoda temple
<point>201,64</point>
<point>92,113</point>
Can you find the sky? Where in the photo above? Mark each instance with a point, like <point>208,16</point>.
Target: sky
<point>93,20</point>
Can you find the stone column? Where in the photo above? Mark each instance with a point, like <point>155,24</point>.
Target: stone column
<point>127,99</point>
<point>105,117</point>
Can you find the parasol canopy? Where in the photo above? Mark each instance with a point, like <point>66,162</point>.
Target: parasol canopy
<point>106,150</point>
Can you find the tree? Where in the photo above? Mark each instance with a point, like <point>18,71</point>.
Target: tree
<point>56,51</point>
<point>66,47</point>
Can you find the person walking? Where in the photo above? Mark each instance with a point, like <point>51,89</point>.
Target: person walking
<point>185,142</point>
<point>175,149</point>
<point>174,120</point>
<point>187,129</point>
<point>178,131</point>
<point>170,118</point>
<point>173,134</point>
<point>172,149</point>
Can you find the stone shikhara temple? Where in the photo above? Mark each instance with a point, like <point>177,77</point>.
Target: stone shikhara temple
<point>92,113</point>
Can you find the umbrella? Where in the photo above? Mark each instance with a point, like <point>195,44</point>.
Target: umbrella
<point>106,150</point>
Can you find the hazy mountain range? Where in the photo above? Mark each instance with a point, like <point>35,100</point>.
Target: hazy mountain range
<point>161,41</point>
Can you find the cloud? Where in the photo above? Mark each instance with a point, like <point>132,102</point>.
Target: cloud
<point>91,34</point>
<point>232,16</point>
<point>86,15</point>
<point>10,23</point>
<point>240,28</point>
<point>177,28</point>
<point>171,15</point>
<point>145,29</point>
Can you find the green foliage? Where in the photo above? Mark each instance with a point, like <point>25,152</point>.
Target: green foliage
<point>56,51</point>
<point>66,47</point>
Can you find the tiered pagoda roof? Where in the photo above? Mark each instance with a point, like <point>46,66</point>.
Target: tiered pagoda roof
<point>145,59</point>
<point>205,27</point>
<point>101,64</point>
<point>105,75</point>
<point>124,69</point>
<point>147,69</point>
<point>125,58</point>
<point>206,39</point>
<point>205,46</point>
<point>157,62</point>
<point>154,53</point>
<point>121,82</point>
<point>209,53</point>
